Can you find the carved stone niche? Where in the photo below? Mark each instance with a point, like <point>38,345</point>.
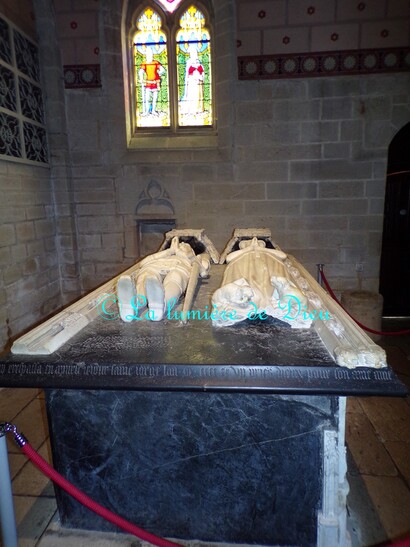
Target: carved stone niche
<point>154,215</point>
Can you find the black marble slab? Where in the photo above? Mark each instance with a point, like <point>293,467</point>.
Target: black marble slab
<point>256,355</point>
<point>229,467</point>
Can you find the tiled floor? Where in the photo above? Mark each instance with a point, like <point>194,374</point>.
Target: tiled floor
<point>378,444</point>
<point>378,440</point>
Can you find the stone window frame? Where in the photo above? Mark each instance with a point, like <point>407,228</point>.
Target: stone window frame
<point>26,117</point>
<point>174,137</point>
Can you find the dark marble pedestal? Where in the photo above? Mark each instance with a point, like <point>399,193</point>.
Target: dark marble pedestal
<point>228,467</point>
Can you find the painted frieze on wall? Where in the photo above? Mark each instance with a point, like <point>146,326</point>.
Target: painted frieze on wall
<point>305,38</point>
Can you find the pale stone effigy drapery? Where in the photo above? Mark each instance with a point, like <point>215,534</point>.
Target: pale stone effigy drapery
<point>257,282</point>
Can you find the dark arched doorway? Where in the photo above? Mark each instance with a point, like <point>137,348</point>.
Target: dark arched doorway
<point>395,258</point>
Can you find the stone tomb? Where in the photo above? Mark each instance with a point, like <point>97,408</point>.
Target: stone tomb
<point>229,434</point>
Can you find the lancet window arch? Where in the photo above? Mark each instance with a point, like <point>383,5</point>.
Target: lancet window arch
<point>172,74</point>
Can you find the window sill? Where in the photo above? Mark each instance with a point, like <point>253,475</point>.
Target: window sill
<point>174,142</point>
<point>32,163</point>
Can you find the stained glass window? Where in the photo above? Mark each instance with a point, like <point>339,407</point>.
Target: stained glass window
<point>194,70</point>
<point>172,68</point>
<point>151,72</point>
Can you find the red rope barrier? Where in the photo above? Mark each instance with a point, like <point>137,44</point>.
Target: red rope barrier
<point>39,462</point>
<point>332,294</point>
<point>397,173</point>
<point>405,542</point>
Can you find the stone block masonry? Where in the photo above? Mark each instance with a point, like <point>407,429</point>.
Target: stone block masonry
<point>29,278</point>
<point>305,158</point>
<point>301,176</point>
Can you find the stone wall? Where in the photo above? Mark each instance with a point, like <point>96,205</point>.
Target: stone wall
<point>21,13</point>
<point>60,152</point>
<point>309,162</point>
<point>320,148</point>
<point>300,26</point>
<point>38,261</point>
<point>304,157</point>
<point>29,273</point>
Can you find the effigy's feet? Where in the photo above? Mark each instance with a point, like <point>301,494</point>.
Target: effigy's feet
<point>155,298</point>
<point>126,296</point>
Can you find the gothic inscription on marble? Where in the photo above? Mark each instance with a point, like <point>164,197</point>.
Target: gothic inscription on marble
<point>235,374</point>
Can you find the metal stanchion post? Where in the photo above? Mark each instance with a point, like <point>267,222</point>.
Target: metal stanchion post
<point>319,276</point>
<point>7,518</point>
